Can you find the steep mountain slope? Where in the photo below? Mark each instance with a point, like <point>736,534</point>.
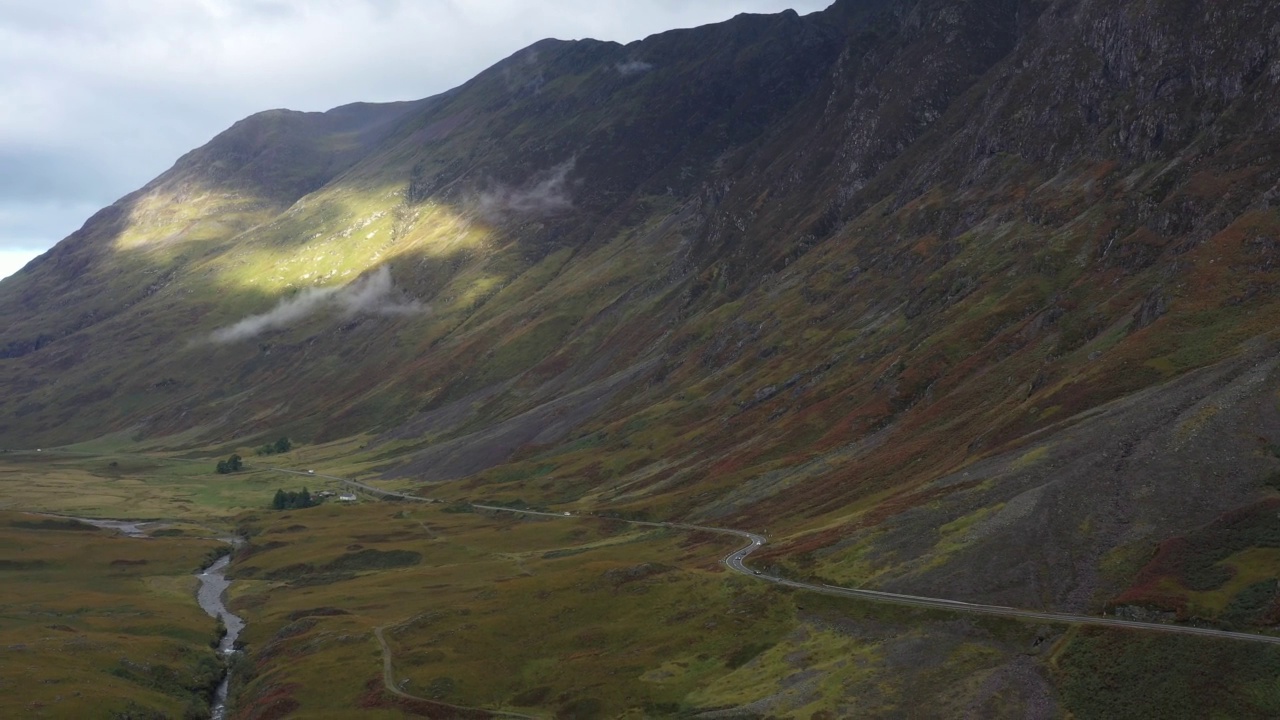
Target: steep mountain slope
<point>868,278</point>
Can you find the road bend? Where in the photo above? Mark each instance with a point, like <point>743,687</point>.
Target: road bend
<point>736,561</point>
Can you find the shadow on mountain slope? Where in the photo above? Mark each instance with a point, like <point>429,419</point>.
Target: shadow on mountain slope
<point>784,268</point>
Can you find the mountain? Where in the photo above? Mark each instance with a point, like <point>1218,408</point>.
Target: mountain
<point>965,297</point>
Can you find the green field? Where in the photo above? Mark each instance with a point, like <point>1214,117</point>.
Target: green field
<point>132,486</point>
<point>581,617</point>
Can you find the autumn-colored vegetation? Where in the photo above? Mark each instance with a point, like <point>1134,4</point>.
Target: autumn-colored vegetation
<point>96,624</point>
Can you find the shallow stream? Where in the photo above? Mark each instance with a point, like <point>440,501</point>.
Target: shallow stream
<point>132,528</point>
<point>211,596</point>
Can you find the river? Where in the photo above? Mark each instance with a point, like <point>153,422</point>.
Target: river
<point>132,528</point>
<point>211,596</point>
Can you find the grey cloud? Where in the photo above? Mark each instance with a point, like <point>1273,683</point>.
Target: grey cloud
<point>39,17</point>
<point>371,295</point>
<point>35,175</point>
<point>547,194</point>
<point>634,67</point>
<point>32,226</point>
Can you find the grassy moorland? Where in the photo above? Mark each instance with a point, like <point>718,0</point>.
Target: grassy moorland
<point>866,279</point>
<point>129,487</point>
<point>95,624</point>
<point>580,617</point>
<point>586,617</point>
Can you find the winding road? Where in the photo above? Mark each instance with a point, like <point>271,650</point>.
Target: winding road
<point>736,561</point>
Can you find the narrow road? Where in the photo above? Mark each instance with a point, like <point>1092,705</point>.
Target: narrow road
<point>736,561</point>
<point>389,680</point>
<point>355,485</point>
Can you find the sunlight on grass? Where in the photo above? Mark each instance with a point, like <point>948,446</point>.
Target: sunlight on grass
<point>325,239</point>
<point>162,221</point>
<point>333,238</point>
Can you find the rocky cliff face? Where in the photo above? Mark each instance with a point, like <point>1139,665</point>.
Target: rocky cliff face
<point>794,271</point>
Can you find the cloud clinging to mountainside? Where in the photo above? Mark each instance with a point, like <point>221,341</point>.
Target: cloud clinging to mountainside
<point>370,295</point>
<point>633,67</point>
<point>546,194</point>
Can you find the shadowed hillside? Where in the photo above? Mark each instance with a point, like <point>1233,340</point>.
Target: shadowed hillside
<point>965,296</point>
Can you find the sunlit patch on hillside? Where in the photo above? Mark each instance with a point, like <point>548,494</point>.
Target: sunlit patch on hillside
<point>168,220</point>
<point>334,238</point>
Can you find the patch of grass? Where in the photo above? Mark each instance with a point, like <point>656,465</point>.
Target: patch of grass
<point>1202,571</point>
<point>1116,674</point>
<point>139,487</point>
<point>370,559</point>
<point>95,623</point>
<point>744,654</point>
<point>53,524</point>
<point>588,615</point>
<point>1247,606</point>
<point>1030,458</point>
<point>7,565</point>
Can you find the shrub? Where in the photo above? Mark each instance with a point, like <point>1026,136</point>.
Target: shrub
<point>291,500</point>
<point>283,445</point>
<point>1247,607</point>
<point>232,464</point>
<point>1114,674</point>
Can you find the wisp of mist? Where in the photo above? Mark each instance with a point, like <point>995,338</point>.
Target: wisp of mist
<point>370,295</point>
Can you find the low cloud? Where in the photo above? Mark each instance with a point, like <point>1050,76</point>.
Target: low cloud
<point>375,294</point>
<point>546,195</point>
<point>634,67</point>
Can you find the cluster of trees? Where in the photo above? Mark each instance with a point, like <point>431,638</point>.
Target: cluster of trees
<point>283,445</point>
<point>230,465</point>
<point>293,500</point>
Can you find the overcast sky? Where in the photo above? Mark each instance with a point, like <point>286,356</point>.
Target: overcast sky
<point>99,96</point>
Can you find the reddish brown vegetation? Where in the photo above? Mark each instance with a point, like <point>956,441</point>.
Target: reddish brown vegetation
<point>278,702</point>
<point>376,696</point>
<point>1193,562</point>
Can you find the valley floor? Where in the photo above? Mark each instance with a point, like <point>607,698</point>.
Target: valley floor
<point>520,613</point>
